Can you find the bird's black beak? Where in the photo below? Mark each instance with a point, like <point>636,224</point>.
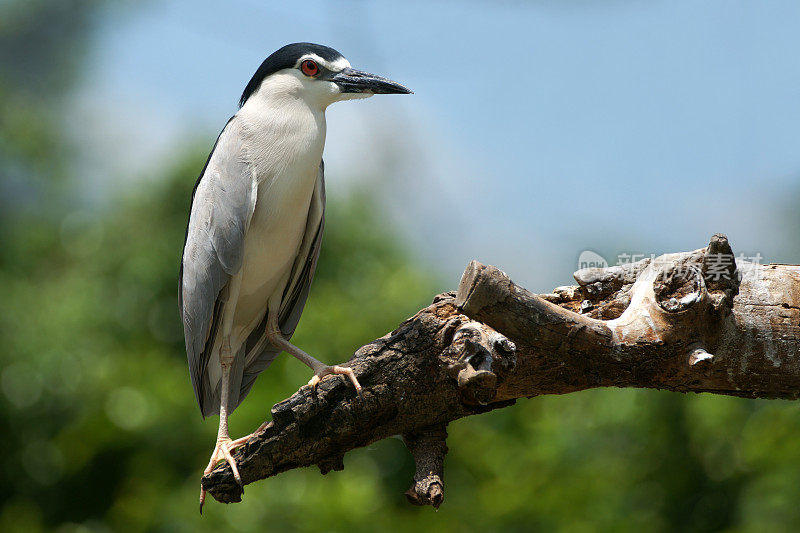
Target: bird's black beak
<point>351,80</point>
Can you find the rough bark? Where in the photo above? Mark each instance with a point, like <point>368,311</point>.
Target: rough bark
<point>688,322</point>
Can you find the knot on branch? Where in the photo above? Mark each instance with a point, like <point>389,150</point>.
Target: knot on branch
<point>707,275</point>
<point>678,287</point>
<point>428,447</point>
<point>720,272</point>
<point>480,357</point>
<point>699,355</point>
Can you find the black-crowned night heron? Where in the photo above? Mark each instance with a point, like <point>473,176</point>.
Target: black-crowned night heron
<point>255,229</point>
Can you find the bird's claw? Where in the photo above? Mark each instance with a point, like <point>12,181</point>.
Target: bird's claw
<point>325,371</point>
<point>222,452</point>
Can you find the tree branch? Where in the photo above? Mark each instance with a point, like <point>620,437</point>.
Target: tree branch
<point>428,448</point>
<point>684,322</point>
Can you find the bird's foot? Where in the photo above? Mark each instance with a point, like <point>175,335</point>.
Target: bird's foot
<point>223,452</point>
<point>320,369</point>
<point>327,370</point>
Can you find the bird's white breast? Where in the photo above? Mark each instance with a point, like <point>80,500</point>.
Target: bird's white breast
<point>284,143</point>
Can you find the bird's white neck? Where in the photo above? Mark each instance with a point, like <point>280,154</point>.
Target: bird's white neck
<point>284,127</point>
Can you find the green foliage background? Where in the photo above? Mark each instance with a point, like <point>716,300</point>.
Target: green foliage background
<point>99,430</point>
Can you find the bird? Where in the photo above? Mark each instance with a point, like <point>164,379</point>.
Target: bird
<point>255,230</point>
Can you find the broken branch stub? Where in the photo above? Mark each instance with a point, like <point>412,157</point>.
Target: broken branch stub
<point>428,447</point>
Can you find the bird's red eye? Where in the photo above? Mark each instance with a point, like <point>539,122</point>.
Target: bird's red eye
<point>309,67</point>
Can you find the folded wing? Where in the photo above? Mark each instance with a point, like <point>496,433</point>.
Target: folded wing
<point>222,205</point>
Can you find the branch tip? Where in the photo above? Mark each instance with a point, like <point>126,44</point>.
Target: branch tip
<point>428,447</point>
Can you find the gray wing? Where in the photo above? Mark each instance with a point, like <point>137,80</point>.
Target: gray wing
<point>260,353</point>
<point>222,204</point>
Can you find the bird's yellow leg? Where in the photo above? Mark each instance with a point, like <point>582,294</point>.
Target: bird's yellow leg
<point>319,368</point>
<point>225,445</point>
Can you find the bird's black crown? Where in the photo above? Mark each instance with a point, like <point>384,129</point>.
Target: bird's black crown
<point>286,57</point>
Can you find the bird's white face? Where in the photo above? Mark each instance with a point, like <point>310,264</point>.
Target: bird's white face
<point>311,80</point>
<point>320,82</point>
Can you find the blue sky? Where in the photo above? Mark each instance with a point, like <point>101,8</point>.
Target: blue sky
<point>538,129</point>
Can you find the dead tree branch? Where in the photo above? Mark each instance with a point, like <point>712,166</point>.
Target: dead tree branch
<point>688,322</point>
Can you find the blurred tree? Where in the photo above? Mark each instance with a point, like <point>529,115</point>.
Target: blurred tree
<point>42,50</point>
<point>99,426</point>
